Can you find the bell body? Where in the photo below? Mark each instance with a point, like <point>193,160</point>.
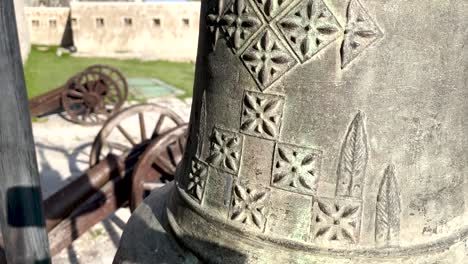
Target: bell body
<point>326,130</point>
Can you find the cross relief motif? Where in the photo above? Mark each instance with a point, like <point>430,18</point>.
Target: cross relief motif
<point>336,222</point>
<point>249,206</point>
<point>267,59</point>
<point>296,168</point>
<point>197,179</point>
<point>270,43</point>
<point>226,148</point>
<point>307,28</point>
<point>262,114</point>
<point>240,22</point>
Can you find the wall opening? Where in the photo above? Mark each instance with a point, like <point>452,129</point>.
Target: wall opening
<point>128,21</point>
<point>35,23</point>
<point>99,22</point>
<point>156,22</point>
<point>52,23</point>
<point>186,22</point>
<point>74,22</point>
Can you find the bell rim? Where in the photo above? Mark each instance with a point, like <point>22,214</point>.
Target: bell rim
<point>437,246</point>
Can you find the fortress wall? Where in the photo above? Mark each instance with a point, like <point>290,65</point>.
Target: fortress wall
<point>166,31</point>
<point>47,25</point>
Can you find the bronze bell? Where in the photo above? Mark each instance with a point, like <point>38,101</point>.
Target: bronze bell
<point>326,131</point>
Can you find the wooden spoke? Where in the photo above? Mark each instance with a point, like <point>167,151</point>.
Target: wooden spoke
<point>141,118</point>
<point>75,93</point>
<point>96,87</point>
<point>126,135</point>
<point>157,163</point>
<point>157,128</point>
<point>118,146</point>
<point>137,136</point>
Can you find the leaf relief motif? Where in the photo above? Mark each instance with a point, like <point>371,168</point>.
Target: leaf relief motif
<point>387,220</point>
<point>353,160</point>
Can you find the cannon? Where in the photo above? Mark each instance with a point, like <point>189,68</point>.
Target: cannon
<point>123,170</point>
<point>88,98</point>
<point>125,165</point>
<point>154,164</point>
<point>112,183</point>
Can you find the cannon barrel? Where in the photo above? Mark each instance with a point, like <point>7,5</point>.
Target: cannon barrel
<point>46,103</point>
<point>58,206</point>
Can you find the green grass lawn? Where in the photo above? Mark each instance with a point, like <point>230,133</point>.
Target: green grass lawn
<point>44,70</point>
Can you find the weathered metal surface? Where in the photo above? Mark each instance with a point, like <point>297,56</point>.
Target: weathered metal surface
<point>327,132</point>
<point>89,97</point>
<point>21,214</point>
<point>59,206</point>
<point>113,195</point>
<point>46,103</point>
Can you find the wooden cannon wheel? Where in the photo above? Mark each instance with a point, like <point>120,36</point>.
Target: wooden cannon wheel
<point>112,73</point>
<point>157,163</point>
<point>91,97</point>
<point>132,130</point>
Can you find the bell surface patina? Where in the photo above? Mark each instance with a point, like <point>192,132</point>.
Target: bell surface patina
<point>322,131</point>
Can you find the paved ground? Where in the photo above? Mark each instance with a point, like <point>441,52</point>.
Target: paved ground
<point>63,152</point>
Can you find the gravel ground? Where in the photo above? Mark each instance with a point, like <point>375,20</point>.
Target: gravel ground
<point>62,150</point>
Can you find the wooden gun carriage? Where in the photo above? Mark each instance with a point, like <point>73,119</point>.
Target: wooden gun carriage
<point>123,169</point>
<point>89,97</point>
<point>114,180</point>
<point>120,174</point>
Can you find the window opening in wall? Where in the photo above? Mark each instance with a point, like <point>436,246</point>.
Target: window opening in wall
<point>186,22</point>
<point>156,22</point>
<point>128,22</point>
<point>35,23</point>
<point>99,22</point>
<point>52,23</point>
<point>74,22</point>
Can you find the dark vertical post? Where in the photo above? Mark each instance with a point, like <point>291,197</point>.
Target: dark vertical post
<point>21,215</point>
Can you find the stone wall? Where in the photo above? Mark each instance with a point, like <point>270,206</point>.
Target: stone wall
<point>50,3</point>
<point>48,25</point>
<point>66,3</point>
<point>167,31</point>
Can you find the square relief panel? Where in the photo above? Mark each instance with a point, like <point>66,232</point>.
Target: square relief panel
<point>336,221</point>
<point>250,205</point>
<point>197,179</point>
<point>296,169</point>
<point>217,195</point>
<point>239,22</point>
<point>257,159</point>
<point>262,114</point>
<point>225,150</point>
<point>267,59</point>
<point>309,27</point>
<point>290,215</point>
